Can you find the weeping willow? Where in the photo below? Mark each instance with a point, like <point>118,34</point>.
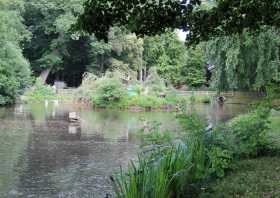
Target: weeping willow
<point>248,61</point>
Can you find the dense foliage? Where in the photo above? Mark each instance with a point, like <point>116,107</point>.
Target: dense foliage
<point>141,17</point>
<point>246,61</point>
<point>179,167</point>
<point>56,53</point>
<point>173,61</point>
<point>246,58</point>
<point>53,47</point>
<point>230,17</point>
<point>150,17</point>
<point>39,92</point>
<point>14,68</point>
<point>108,92</point>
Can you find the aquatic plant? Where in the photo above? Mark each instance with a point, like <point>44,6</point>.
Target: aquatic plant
<point>152,135</point>
<point>158,175</point>
<point>176,170</point>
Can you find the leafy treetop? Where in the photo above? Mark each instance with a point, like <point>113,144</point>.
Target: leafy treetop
<point>149,17</point>
<point>143,17</point>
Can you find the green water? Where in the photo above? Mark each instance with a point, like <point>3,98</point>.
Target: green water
<point>43,155</point>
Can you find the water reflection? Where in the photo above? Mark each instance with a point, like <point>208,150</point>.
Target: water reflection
<point>44,155</point>
<point>217,113</point>
<point>52,157</point>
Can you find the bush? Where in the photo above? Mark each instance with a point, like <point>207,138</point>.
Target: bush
<point>147,101</point>
<point>8,89</point>
<point>249,132</point>
<point>220,160</point>
<point>87,89</point>
<point>14,68</point>
<point>152,135</point>
<point>109,92</point>
<point>199,99</point>
<point>14,74</point>
<point>40,92</point>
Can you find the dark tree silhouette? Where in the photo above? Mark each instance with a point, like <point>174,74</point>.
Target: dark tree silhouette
<point>149,17</point>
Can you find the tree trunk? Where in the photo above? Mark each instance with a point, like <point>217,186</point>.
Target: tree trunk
<point>44,75</point>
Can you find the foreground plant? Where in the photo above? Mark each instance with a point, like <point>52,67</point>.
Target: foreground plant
<point>158,175</point>
<point>179,168</point>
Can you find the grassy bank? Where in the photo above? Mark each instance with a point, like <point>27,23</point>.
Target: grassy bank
<point>207,164</point>
<point>111,94</point>
<point>150,103</point>
<point>252,178</point>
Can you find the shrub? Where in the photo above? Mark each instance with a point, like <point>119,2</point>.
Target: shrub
<point>87,89</point>
<point>206,99</point>
<point>147,101</point>
<point>199,99</point>
<point>109,92</point>
<point>249,132</point>
<point>8,89</point>
<point>220,160</point>
<point>207,150</point>
<point>152,135</point>
<point>40,92</point>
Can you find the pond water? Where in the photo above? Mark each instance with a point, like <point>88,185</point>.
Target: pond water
<point>43,155</point>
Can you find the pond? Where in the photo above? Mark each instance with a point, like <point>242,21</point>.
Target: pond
<point>43,155</point>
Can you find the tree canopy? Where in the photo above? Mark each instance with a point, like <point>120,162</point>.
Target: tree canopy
<point>37,38</point>
<point>149,17</point>
<point>145,17</point>
<point>245,61</point>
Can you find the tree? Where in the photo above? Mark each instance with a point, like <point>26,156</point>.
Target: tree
<point>52,46</point>
<point>222,22</point>
<point>193,72</point>
<point>145,17</point>
<point>55,50</point>
<point>166,53</point>
<point>174,61</point>
<point>99,55</point>
<point>14,68</point>
<point>149,17</point>
<point>245,61</point>
<point>128,49</point>
<point>232,17</point>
